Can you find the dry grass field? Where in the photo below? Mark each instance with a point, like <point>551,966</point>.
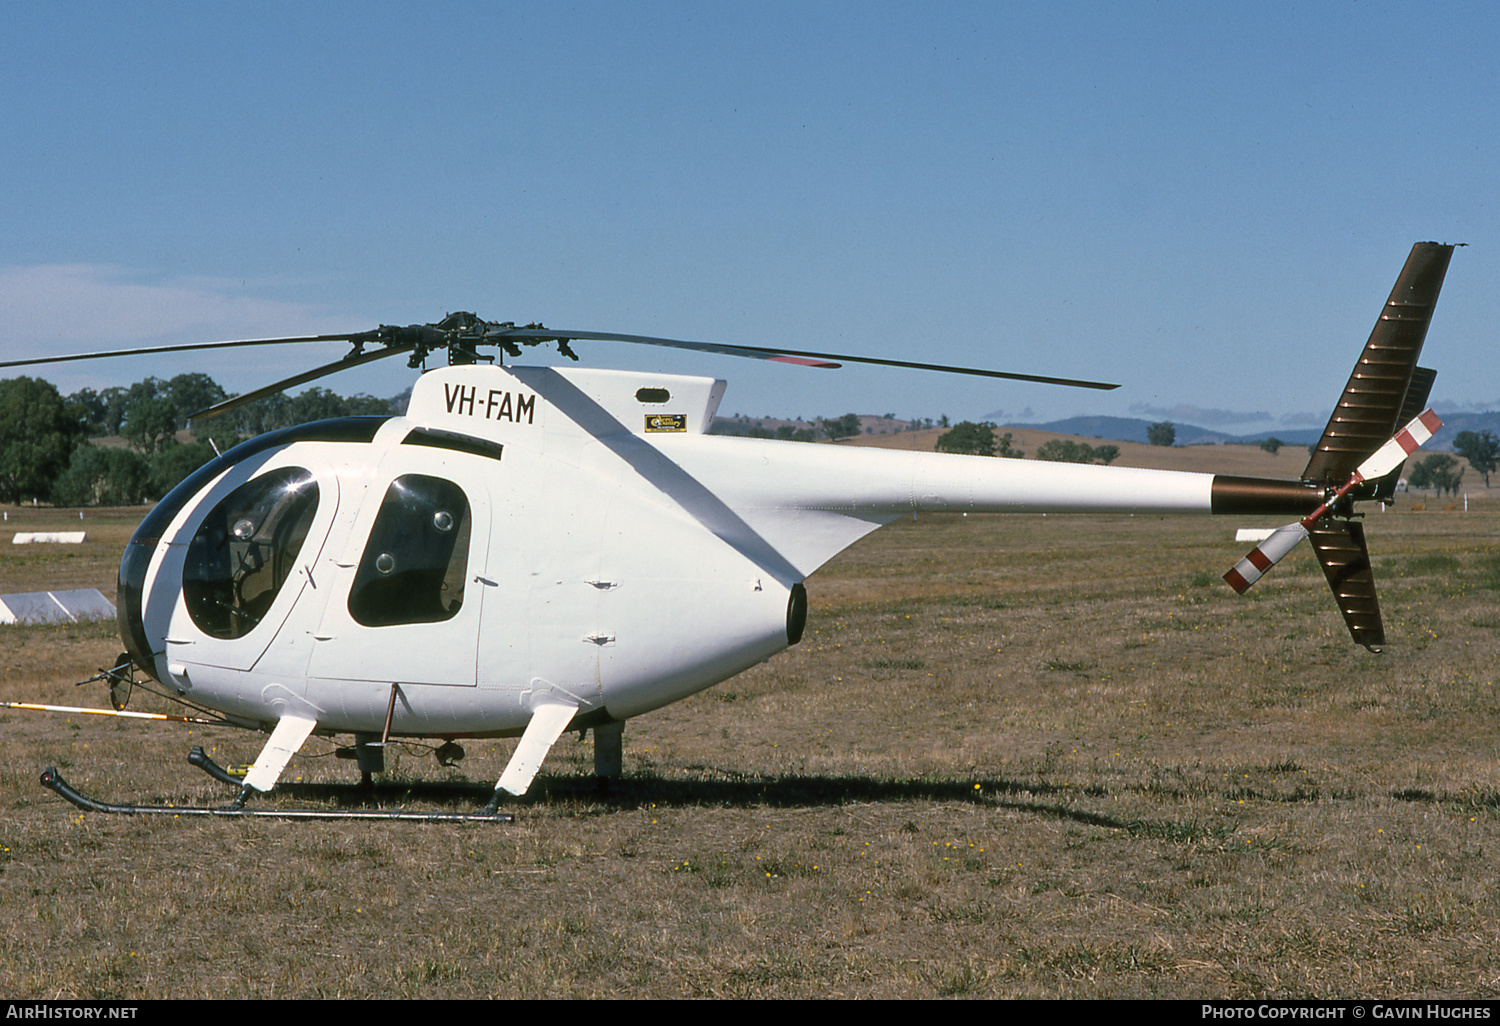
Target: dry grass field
<point>1013,757</point>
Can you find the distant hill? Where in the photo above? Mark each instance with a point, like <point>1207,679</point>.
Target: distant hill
<point>1453,423</point>
<point>1133,429</point>
<point>1119,429</point>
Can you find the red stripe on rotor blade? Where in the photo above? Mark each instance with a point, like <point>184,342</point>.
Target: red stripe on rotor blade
<point>1259,560</point>
<point>1238,583</point>
<point>1408,444</point>
<point>1430,420</point>
<point>801,362</point>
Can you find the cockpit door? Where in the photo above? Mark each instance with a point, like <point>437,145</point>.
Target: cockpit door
<point>244,565</point>
<point>407,608</point>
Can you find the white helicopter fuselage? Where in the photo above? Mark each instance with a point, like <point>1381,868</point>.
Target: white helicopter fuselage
<point>611,557</point>
<point>529,550</point>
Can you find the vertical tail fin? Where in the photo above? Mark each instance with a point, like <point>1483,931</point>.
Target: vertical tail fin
<point>1361,452</point>
<point>1370,408</point>
<point>1385,389</point>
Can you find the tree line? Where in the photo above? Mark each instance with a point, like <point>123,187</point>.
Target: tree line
<point>973,439</point>
<point>1442,473</point>
<point>832,428</point>
<point>1439,471</point>
<point>47,452</point>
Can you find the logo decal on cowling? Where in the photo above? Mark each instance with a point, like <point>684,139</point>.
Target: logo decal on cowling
<point>666,422</point>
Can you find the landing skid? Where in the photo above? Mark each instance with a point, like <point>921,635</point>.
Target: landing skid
<point>198,757</point>
<point>53,781</point>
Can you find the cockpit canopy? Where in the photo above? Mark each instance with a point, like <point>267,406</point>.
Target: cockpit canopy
<point>136,563</point>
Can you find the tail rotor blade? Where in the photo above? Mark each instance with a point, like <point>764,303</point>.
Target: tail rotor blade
<point>1406,441</point>
<point>1383,460</point>
<point>1284,539</point>
<point>1264,556</point>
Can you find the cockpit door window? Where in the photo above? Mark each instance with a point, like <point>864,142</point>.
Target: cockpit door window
<point>244,551</point>
<point>415,564</point>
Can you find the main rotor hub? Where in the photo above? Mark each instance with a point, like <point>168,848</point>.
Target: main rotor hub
<point>461,333</point>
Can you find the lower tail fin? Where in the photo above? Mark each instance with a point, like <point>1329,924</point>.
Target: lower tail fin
<point>1341,552</point>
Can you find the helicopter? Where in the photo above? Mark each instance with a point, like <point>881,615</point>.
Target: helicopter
<point>530,550</point>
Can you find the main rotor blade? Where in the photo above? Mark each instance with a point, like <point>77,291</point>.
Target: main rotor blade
<point>297,379</point>
<point>495,334</point>
<point>187,347</point>
<point>800,356</point>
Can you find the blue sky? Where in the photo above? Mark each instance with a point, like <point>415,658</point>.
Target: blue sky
<point>1207,203</point>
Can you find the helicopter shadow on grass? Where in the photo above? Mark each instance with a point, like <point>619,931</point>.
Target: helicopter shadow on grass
<point>589,795</point>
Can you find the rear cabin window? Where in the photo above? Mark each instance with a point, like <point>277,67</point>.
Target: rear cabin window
<point>245,549</point>
<point>416,561</point>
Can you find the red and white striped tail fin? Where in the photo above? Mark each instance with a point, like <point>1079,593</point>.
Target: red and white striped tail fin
<point>1264,556</point>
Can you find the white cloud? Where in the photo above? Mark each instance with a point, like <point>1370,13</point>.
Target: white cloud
<point>50,309</point>
<point>61,309</point>
<point>1200,415</point>
<point>1462,406</point>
